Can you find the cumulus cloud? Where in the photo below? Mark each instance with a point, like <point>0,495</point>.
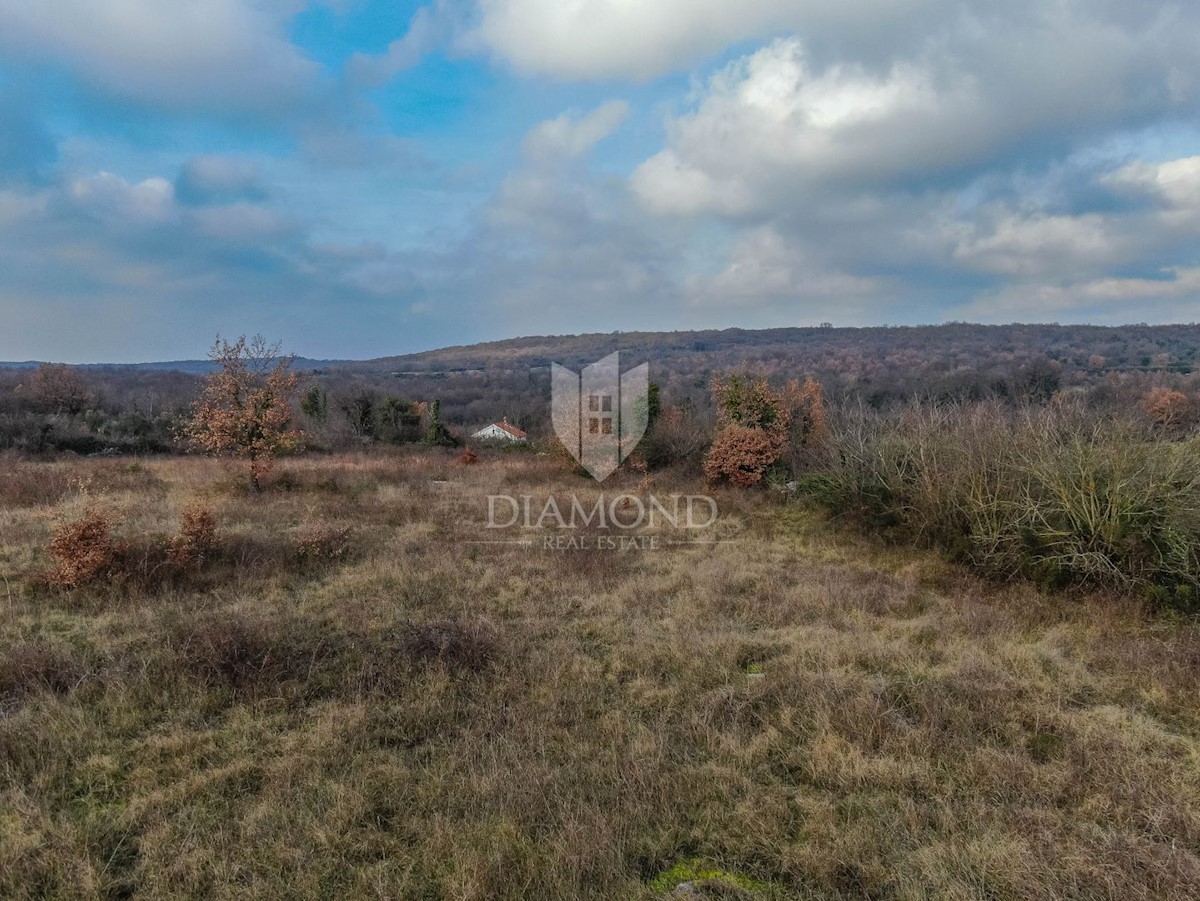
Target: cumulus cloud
<point>211,55</point>
<point>103,267</point>
<point>1173,184</point>
<point>560,245</point>
<point>786,120</point>
<point>906,160</point>
<point>578,39</point>
<point>768,121</point>
<point>117,201</point>
<point>430,27</point>
<point>1039,244</point>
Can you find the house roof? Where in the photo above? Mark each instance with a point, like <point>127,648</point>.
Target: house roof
<point>503,425</point>
<point>511,429</point>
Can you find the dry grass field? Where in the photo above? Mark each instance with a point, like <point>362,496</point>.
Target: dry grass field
<point>344,695</point>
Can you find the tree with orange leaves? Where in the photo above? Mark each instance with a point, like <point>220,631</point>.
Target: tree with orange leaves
<point>1168,408</point>
<point>245,410</point>
<point>809,443</point>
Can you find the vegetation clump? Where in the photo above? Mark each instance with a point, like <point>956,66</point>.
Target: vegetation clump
<point>695,878</point>
<point>759,427</point>
<point>1046,493</point>
<point>197,536</point>
<point>84,549</point>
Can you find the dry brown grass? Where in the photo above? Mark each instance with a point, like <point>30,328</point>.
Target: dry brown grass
<point>792,713</point>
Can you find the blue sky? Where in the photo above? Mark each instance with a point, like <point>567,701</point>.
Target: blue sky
<point>360,178</point>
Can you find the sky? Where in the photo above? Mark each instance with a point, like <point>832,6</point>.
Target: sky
<point>360,178</point>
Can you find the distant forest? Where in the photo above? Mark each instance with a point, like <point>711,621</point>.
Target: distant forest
<point>123,409</point>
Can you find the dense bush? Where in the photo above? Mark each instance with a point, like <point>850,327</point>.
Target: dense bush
<point>766,431</point>
<point>83,549</point>
<point>1050,492</point>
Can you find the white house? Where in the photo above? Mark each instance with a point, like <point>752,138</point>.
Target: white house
<point>501,431</point>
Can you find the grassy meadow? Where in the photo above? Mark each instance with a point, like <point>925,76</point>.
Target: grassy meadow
<point>339,693</point>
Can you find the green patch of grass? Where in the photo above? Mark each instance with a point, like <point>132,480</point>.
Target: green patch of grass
<point>700,874</point>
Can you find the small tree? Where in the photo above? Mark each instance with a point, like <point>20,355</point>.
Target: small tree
<point>1169,409</point>
<point>437,433</point>
<point>398,420</point>
<point>57,388</point>
<point>244,410</point>
<point>809,443</point>
<point>315,403</point>
<point>360,414</point>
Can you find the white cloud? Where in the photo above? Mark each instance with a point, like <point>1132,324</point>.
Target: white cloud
<point>1172,298</point>
<point>769,123</point>
<point>222,55</point>
<point>582,39</point>
<point>1175,184</point>
<point>792,118</point>
<point>148,202</point>
<point>570,136</point>
<point>430,26</point>
<point>1027,241</point>
<point>1039,244</point>
<point>764,268</point>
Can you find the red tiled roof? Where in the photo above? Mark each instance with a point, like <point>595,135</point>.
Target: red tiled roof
<point>511,429</point>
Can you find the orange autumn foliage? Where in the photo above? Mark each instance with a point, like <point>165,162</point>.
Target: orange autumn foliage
<point>83,549</point>
<point>740,455</point>
<point>1168,408</point>
<point>758,426</point>
<point>244,410</point>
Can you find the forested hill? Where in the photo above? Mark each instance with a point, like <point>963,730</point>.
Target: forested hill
<point>945,347</point>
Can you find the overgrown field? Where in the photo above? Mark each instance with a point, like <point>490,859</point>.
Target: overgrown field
<point>331,690</point>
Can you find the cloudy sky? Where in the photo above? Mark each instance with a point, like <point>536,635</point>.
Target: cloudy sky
<point>360,177</point>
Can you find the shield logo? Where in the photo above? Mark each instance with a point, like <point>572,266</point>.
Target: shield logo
<point>600,414</point>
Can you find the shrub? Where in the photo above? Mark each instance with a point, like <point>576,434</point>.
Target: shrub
<point>1168,409</point>
<point>760,426</point>
<point>677,436</point>
<point>741,455</point>
<point>234,651</point>
<point>323,544</point>
<point>83,550</point>
<point>197,536</point>
<point>468,457</point>
<point>809,444</point>
<point>25,485</point>
<point>1042,492</point>
<point>753,422</point>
